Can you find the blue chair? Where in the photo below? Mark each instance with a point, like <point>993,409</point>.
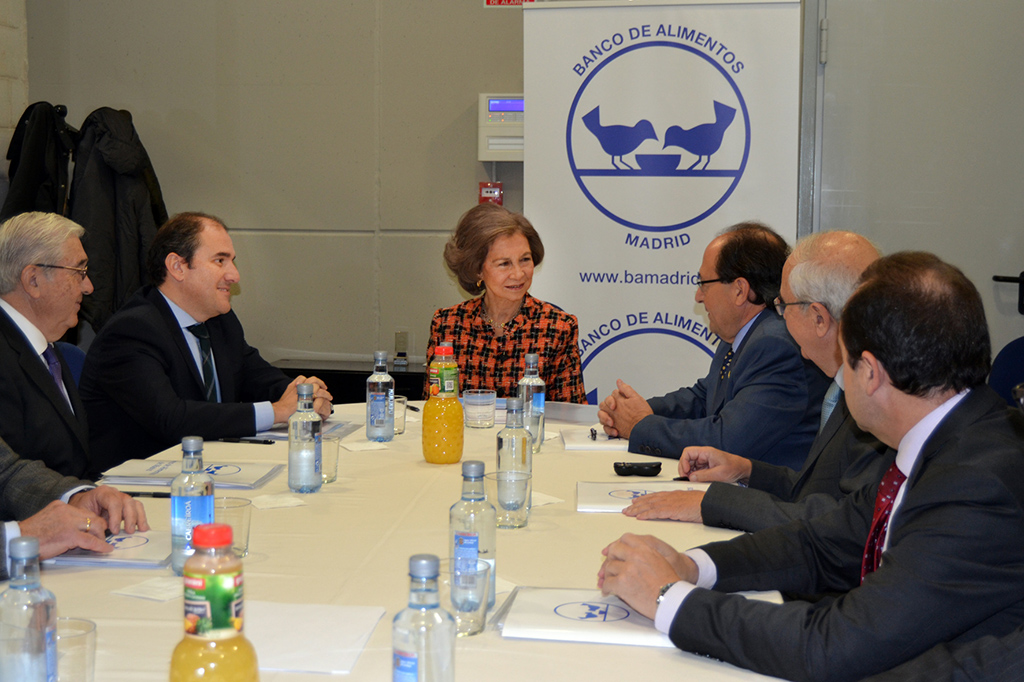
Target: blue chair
<point>1008,370</point>
<point>74,356</point>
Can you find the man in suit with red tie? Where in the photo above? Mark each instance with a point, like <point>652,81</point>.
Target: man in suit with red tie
<point>929,554</point>
<point>43,276</point>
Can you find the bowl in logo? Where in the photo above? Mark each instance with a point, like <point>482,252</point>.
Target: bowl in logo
<point>658,163</point>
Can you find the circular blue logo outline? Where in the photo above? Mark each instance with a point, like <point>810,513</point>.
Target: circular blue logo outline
<point>572,160</point>
<point>650,330</point>
<point>610,612</point>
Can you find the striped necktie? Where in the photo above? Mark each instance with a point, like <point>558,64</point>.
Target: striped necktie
<point>206,353</point>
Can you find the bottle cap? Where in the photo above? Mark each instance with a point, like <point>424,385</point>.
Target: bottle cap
<point>473,468</point>
<point>380,356</point>
<point>423,566</point>
<point>444,350</point>
<point>192,443</point>
<point>212,535</point>
<point>304,390</point>
<point>532,359</point>
<point>513,404</point>
<point>25,547</point>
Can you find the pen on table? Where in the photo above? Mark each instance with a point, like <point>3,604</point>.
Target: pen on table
<point>413,408</point>
<point>160,495</point>
<point>257,441</point>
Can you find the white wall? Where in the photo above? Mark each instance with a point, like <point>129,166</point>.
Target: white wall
<point>336,138</point>
<point>923,140</point>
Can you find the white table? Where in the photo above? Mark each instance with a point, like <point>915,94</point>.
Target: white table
<point>351,543</point>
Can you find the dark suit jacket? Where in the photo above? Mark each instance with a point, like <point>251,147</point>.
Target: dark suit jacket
<point>842,460</point>
<point>35,419</point>
<point>766,409</point>
<point>26,486</point>
<point>994,659</point>
<point>954,570</point>
<point>144,392</point>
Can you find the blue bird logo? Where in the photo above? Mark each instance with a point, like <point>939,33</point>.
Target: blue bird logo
<point>617,140</point>
<point>704,139</point>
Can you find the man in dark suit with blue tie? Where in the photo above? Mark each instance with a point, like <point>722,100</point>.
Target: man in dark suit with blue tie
<point>174,362</point>
<point>929,554</point>
<point>43,276</point>
<point>819,276</point>
<point>760,396</point>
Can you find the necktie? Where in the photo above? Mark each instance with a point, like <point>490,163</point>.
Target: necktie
<point>887,490</point>
<point>829,404</point>
<point>725,365</point>
<point>53,364</point>
<point>206,353</point>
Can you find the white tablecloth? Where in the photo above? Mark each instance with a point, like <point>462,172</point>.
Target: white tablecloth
<point>351,543</point>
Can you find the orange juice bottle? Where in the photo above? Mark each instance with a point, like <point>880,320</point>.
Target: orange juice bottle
<point>214,648</point>
<point>442,415</point>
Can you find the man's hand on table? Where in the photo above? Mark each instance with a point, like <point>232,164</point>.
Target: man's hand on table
<point>114,507</point>
<point>636,567</point>
<point>289,400</point>
<point>675,505</point>
<point>702,463</point>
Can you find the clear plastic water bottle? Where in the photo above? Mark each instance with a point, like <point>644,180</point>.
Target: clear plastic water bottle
<point>28,619</point>
<point>423,634</point>
<point>380,400</point>
<point>472,521</point>
<point>515,444</point>
<point>533,391</point>
<point>191,501</point>
<point>304,461</point>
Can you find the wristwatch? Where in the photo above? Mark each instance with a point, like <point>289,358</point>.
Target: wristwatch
<point>664,588</point>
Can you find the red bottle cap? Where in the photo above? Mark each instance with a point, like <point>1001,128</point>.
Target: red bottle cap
<point>444,350</point>
<point>211,535</point>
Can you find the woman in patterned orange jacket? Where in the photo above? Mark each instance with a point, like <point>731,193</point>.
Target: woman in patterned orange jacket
<point>493,252</point>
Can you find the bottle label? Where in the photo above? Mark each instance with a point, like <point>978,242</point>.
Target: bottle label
<point>405,665</point>
<point>51,655</point>
<point>538,403</point>
<point>444,380</point>
<point>467,545</point>
<point>189,512</point>
<point>377,408</point>
<point>213,603</point>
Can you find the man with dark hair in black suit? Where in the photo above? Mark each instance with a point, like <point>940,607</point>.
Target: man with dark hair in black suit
<point>174,362</point>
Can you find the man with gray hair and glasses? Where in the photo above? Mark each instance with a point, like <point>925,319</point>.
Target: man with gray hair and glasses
<point>817,279</point>
<point>43,277</point>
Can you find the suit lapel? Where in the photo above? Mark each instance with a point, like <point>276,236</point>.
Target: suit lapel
<point>178,334</point>
<point>835,420</point>
<point>975,404</point>
<point>721,391</point>
<point>33,368</point>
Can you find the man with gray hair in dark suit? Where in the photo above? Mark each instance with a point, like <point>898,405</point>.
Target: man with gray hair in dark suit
<point>61,511</point>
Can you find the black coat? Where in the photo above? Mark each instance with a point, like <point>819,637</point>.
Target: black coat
<point>116,198</point>
<point>39,152</point>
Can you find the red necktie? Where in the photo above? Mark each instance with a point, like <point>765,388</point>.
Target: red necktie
<point>887,490</point>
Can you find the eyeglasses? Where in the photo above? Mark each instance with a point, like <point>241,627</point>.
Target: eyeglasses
<point>780,305</point>
<point>82,272</point>
<point>701,282</point>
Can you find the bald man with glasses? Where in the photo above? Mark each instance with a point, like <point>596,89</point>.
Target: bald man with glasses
<point>43,277</point>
